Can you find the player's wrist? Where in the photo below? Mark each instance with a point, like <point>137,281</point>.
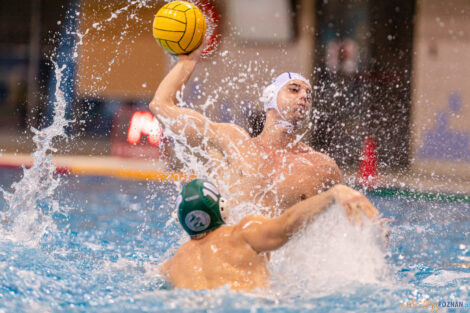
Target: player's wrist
<point>336,194</point>
<point>334,191</point>
<point>187,61</point>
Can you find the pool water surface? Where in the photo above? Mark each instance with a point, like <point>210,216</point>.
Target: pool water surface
<point>99,248</point>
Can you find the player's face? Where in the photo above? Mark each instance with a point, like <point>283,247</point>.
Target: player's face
<point>294,101</point>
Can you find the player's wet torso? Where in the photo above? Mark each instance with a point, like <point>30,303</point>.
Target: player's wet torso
<point>216,260</point>
<point>269,177</point>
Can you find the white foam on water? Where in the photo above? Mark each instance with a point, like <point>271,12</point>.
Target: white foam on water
<point>443,277</point>
<point>329,255</point>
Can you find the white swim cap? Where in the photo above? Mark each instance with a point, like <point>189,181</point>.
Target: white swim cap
<point>269,97</point>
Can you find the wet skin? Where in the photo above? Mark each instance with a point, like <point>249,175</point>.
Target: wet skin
<point>270,177</point>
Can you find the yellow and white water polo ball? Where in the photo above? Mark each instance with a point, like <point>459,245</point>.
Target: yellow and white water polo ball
<point>179,27</point>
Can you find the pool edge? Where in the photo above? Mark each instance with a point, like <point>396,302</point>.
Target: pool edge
<point>100,166</point>
<point>134,169</point>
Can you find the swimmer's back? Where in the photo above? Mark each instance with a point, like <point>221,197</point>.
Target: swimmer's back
<point>216,260</point>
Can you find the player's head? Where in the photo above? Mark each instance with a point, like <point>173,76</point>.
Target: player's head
<point>200,208</point>
<point>290,95</point>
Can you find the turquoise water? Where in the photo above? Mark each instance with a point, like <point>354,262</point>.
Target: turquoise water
<point>100,251</point>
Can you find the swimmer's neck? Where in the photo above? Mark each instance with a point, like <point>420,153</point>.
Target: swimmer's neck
<point>276,137</point>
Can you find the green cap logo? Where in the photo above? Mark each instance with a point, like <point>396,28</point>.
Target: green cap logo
<point>197,220</point>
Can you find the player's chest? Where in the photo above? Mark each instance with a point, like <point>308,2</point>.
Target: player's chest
<point>284,176</point>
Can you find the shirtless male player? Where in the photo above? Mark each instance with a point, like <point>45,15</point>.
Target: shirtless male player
<point>274,169</point>
<point>237,255</point>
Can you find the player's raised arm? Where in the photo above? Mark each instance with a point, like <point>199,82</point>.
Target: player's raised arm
<point>265,234</point>
<point>183,121</point>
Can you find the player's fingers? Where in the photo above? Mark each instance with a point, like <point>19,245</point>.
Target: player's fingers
<point>347,209</point>
<point>196,53</point>
<point>353,213</point>
<point>202,45</point>
<point>384,221</point>
<point>369,210</point>
<point>387,237</point>
<point>357,214</point>
<point>382,224</point>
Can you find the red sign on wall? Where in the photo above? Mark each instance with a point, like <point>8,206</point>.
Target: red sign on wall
<point>137,134</point>
<point>144,123</point>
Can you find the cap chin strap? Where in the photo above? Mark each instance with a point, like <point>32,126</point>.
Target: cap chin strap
<point>288,126</point>
<point>269,97</point>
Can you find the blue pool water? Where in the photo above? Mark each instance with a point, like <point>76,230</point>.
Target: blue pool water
<point>100,252</point>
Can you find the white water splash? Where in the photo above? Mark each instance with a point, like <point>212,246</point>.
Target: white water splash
<point>444,277</point>
<point>24,221</point>
<point>329,255</point>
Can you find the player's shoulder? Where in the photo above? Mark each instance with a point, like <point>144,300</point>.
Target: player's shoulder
<point>232,130</point>
<point>250,221</point>
<point>253,219</point>
<point>325,162</point>
<point>318,156</point>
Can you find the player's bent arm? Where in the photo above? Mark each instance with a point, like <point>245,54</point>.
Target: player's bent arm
<point>174,80</point>
<point>183,121</point>
<point>261,233</point>
<point>267,234</point>
<point>197,129</point>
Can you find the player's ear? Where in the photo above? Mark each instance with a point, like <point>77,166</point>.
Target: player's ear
<point>224,210</point>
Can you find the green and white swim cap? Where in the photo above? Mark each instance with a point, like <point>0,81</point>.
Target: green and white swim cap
<point>198,207</point>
